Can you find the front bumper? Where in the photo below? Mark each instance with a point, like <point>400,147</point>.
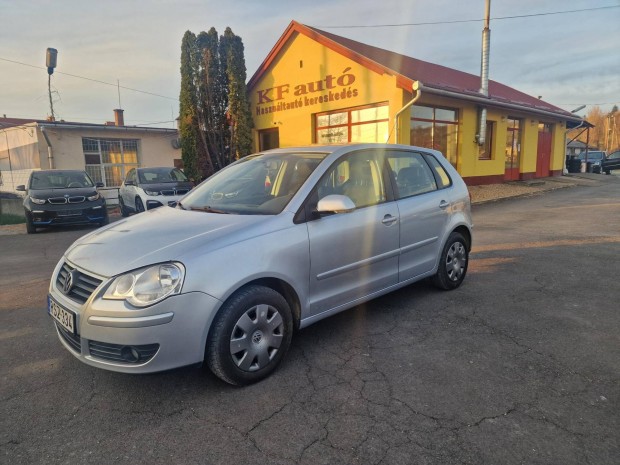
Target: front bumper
<point>169,334</point>
<point>57,215</point>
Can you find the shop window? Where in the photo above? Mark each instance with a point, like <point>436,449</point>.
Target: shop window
<point>485,152</point>
<point>108,160</point>
<point>361,124</point>
<point>435,128</point>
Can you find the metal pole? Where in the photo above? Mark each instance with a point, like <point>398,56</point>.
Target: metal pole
<point>49,90</point>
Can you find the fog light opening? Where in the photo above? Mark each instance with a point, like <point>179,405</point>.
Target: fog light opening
<point>130,354</point>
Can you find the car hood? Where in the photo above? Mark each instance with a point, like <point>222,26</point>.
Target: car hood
<point>160,235</point>
<point>47,193</point>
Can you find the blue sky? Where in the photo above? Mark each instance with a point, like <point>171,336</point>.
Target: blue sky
<point>568,59</point>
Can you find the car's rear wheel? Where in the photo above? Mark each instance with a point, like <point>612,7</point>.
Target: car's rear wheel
<point>30,227</point>
<point>139,205</point>
<point>453,263</point>
<point>121,204</point>
<point>249,336</point>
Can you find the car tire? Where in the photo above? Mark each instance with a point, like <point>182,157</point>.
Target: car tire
<point>30,227</point>
<point>124,211</point>
<point>139,205</point>
<point>452,263</point>
<point>249,336</point>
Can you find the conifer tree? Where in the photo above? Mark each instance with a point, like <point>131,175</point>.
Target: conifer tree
<point>215,120</point>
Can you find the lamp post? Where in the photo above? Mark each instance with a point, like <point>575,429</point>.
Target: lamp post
<point>50,61</point>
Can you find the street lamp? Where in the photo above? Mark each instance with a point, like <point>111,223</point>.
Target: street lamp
<point>50,61</point>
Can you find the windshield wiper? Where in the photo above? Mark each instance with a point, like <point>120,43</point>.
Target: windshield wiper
<point>209,209</point>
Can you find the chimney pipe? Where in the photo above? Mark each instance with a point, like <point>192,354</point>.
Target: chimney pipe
<point>119,120</point>
<point>484,71</point>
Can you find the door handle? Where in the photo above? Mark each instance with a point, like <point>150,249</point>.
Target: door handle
<point>389,219</point>
<point>443,204</point>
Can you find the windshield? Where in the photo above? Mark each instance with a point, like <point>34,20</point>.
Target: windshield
<point>160,175</point>
<point>255,185</point>
<point>591,155</point>
<point>60,180</point>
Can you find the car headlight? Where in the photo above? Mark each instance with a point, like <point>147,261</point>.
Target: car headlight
<point>148,192</point>
<point>147,286</point>
<point>37,201</point>
<point>92,198</point>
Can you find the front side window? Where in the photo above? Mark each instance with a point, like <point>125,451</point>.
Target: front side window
<point>361,124</point>
<point>359,177</point>
<point>435,128</point>
<point>109,160</point>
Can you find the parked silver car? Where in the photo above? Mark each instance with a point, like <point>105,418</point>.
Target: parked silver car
<point>270,244</point>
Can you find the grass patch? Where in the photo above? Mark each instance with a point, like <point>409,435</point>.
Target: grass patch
<point>7,218</point>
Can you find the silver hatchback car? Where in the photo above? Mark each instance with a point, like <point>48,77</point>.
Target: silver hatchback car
<point>270,244</point>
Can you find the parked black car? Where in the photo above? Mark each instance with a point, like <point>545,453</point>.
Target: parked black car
<point>62,197</point>
<point>612,162</point>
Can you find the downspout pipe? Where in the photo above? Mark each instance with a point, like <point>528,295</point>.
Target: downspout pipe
<point>416,87</point>
<point>50,153</point>
<point>484,72</point>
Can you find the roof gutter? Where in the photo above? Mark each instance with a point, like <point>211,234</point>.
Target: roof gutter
<point>102,126</point>
<point>490,102</point>
<point>50,153</point>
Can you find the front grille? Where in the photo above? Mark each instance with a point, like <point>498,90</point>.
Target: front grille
<point>122,353</point>
<point>168,192</point>
<point>83,285</point>
<point>63,200</point>
<point>73,340</point>
<point>182,191</point>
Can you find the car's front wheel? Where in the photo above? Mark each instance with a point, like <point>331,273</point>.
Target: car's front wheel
<point>249,336</point>
<point>452,263</point>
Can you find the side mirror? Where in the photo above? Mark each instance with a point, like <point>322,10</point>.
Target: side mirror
<point>99,184</point>
<point>335,204</point>
<point>21,188</point>
<point>130,183</point>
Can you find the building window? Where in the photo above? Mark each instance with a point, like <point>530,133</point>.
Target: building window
<point>513,144</point>
<point>485,151</point>
<point>435,128</point>
<point>361,124</point>
<point>108,160</point>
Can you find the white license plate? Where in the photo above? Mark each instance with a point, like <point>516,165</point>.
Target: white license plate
<point>64,317</point>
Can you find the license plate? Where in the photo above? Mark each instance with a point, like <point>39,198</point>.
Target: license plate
<point>64,317</point>
<point>69,213</point>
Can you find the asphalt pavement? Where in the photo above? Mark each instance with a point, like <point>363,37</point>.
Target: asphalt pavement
<point>520,365</point>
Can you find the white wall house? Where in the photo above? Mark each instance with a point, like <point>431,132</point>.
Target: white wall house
<point>105,151</point>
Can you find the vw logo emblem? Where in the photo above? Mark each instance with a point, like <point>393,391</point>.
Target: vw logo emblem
<point>68,285</point>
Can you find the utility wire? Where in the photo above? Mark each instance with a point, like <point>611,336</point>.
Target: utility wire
<point>431,23</point>
<point>90,79</point>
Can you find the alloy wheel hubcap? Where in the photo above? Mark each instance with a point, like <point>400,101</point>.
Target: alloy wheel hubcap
<point>256,337</point>
<point>456,261</point>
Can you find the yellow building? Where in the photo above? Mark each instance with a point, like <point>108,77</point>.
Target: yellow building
<point>319,88</point>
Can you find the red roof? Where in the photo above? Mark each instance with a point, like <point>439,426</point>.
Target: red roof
<point>408,69</point>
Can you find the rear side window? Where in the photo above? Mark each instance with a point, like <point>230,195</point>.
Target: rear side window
<point>443,180</point>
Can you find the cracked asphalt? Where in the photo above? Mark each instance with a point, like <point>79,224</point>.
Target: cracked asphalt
<point>521,365</point>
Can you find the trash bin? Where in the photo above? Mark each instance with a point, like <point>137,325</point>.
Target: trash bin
<point>574,165</point>
<point>588,167</point>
